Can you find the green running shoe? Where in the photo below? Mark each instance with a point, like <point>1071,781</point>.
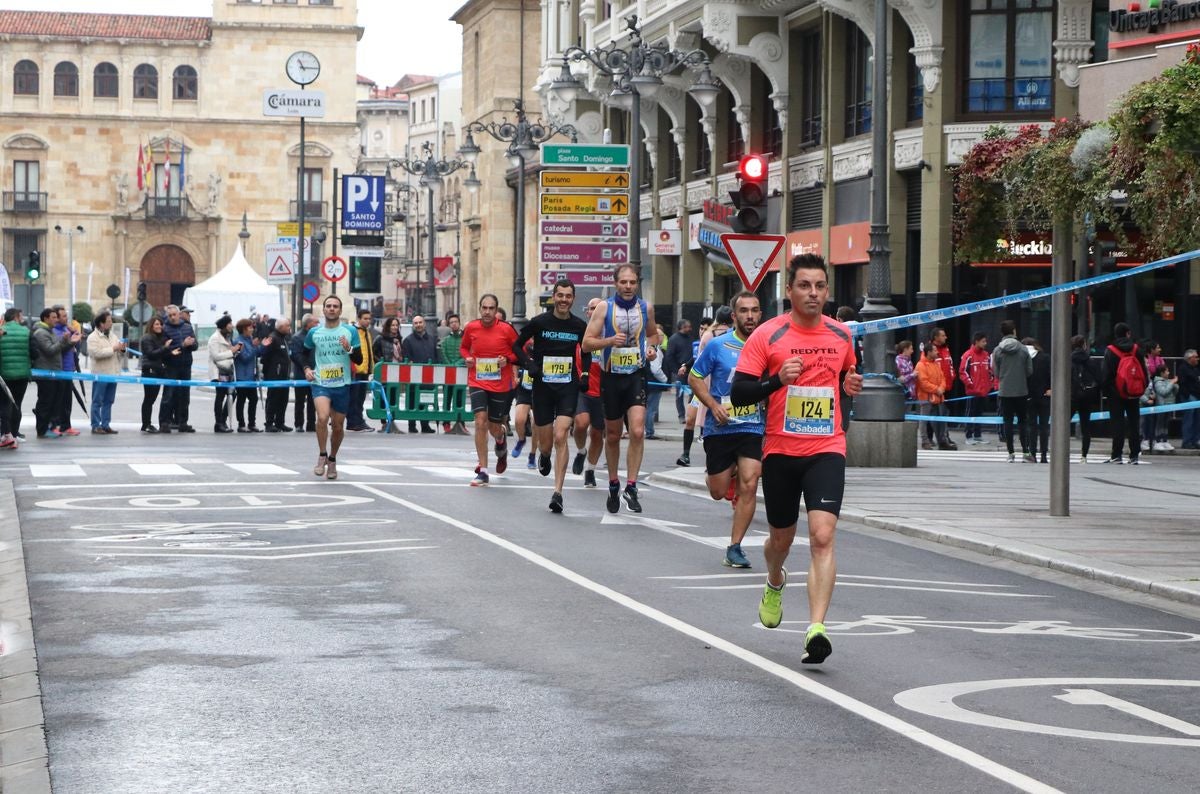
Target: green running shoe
<point>816,645</point>
<point>770,609</point>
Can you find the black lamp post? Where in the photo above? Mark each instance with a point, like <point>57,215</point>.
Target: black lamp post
<point>636,72</point>
<point>523,139</point>
<point>431,170</point>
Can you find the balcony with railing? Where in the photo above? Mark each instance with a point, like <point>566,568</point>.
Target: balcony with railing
<point>312,209</point>
<point>166,209</point>
<point>24,201</point>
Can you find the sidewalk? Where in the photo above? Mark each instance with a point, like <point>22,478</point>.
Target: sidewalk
<point>1130,526</point>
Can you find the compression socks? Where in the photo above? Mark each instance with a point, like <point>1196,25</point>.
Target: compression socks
<point>688,437</point>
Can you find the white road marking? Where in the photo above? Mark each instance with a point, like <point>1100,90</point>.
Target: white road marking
<point>1090,697</point>
<point>259,468</point>
<point>361,470</point>
<point>938,701</point>
<point>274,557</point>
<point>56,470</point>
<point>840,699</point>
<point>160,469</point>
<point>875,587</point>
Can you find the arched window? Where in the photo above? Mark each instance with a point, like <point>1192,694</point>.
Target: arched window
<point>186,84</point>
<point>25,78</point>
<point>66,79</point>
<point>105,82</point>
<point>145,82</point>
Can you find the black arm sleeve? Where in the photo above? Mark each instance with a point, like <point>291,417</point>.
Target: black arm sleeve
<point>523,339</point>
<point>748,390</point>
<point>356,356</point>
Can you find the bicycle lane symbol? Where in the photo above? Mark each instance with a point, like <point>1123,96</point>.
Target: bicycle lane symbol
<point>889,625</point>
<point>939,701</point>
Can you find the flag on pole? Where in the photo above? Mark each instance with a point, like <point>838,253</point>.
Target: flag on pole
<point>182,173</point>
<point>167,169</point>
<point>148,166</point>
<point>141,167</point>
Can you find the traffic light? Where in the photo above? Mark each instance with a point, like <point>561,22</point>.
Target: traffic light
<point>751,198</point>
<point>33,267</point>
<point>141,293</point>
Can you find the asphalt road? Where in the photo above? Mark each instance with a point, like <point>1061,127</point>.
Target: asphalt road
<point>211,617</point>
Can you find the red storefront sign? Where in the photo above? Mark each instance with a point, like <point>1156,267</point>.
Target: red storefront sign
<point>848,243</point>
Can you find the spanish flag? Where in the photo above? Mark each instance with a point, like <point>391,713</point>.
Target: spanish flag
<point>148,167</point>
<point>141,167</point>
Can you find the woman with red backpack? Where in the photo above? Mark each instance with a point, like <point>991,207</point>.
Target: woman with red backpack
<point>1125,382</point>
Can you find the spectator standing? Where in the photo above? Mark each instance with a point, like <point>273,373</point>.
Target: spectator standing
<point>263,326</point>
<point>975,372</point>
<point>905,372</point>
<point>1154,360</point>
<point>945,359</point>
<point>451,355</point>
<point>62,327</point>
<point>656,374</point>
<point>104,352</point>
<point>1038,407</point>
<point>176,400</point>
<point>154,365</point>
<point>419,347</point>
<point>276,366</point>
<point>1085,391</point>
<point>1124,384</point>
<point>1165,389</point>
<point>14,368</point>
<point>355,421</point>
<point>1189,389</point>
<point>931,391</point>
<point>679,350</point>
<point>305,413</point>
<point>388,350</point>
<point>47,353</point>
<point>221,353</point>
<point>1013,365</point>
<point>245,369</point>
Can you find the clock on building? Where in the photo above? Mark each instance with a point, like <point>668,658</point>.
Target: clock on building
<point>303,67</point>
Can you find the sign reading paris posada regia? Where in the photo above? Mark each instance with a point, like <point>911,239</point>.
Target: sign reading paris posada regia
<point>281,102</point>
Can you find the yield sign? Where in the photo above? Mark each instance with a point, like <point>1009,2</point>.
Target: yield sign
<point>751,255</point>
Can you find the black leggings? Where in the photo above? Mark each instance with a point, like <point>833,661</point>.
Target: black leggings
<point>1038,412</point>
<point>245,393</point>
<point>1085,409</point>
<point>1014,408</point>
<point>149,395</point>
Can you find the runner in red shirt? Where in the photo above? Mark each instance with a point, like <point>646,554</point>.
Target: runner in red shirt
<point>589,419</point>
<point>487,347</point>
<point>801,364</point>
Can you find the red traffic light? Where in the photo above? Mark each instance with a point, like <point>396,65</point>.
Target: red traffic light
<point>752,168</point>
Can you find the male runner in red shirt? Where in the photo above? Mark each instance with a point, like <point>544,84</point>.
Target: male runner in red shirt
<point>487,348</point>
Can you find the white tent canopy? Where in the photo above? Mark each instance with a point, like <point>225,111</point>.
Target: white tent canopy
<point>237,290</point>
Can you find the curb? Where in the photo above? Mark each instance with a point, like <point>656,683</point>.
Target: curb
<point>1123,576</point>
<point>24,757</point>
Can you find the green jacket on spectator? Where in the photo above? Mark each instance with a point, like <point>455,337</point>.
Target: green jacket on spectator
<point>14,352</point>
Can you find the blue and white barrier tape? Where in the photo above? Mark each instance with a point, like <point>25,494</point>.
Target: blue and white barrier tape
<point>937,315</point>
<point>51,374</point>
<point>1096,415</point>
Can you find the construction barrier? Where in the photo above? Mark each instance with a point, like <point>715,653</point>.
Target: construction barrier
<point>420,392</point>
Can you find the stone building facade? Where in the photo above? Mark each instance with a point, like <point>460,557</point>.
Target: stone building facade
<point>81,94</point>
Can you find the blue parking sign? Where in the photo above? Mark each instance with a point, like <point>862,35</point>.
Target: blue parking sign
<point>363,198</point>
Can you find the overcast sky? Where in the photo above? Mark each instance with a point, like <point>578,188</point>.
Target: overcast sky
<point>402,36</point>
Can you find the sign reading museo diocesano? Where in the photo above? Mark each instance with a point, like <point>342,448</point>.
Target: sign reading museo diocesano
<point>309,104</point>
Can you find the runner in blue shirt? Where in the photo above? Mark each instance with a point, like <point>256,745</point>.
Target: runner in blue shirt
<point>732,435</point>
<point>330,351</point>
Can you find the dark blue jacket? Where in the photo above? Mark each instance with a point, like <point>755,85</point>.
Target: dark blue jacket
<point>177,333</point>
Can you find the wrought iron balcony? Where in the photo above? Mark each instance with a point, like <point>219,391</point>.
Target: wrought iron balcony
<point>166,209</point>
<point>24,201</point>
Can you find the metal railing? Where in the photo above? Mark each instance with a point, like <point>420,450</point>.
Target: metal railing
<point>24,201</point>
<point>166,209</point>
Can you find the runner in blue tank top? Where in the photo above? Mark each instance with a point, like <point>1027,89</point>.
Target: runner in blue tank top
<point>331,350</point>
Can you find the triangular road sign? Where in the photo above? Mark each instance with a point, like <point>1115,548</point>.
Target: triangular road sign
<point>280,267</point>
<point>751,255</point>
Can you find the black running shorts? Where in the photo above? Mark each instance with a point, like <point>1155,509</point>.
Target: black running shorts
<point>723,450</point>
<point>593,407</point>
<point>622,392</point>
<point>496,403</point>
<point>522,396</point>
<point>820,479</point>
<point>551,401</point>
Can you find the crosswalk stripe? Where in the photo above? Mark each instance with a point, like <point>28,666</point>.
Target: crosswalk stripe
<point>159,469</point>
<point>55,470</point>
<point>259,468</point>
<point>359,469</point>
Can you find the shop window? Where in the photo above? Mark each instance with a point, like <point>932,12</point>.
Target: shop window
<point>186,84</point>
<point>1009,56</point>
<point>858,81</point>
<point>810,88</point>
<point>66,79</point>
<point>105,80</point>
<point>25,78</point>
<point>916,86</point>
<point>145,82</point>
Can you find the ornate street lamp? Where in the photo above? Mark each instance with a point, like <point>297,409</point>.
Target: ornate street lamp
<point>430,172</point>
<point>523,138</point>
<point>636,72</point>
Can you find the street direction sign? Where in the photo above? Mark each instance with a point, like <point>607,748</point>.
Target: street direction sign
<point>575,179</point>
<point>598,155</point>
<point>584,228</point>
<point>292,229</point>
<point>363,202</point>
<point>584,204</point>
<point>334,268</point>
<point>363,251</point>
<point>580,278</point>
<point>751,255</point>
<point>583,253</point>
<point>281,263</point>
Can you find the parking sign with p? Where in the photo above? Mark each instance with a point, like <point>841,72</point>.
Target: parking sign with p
<point>363,199</point>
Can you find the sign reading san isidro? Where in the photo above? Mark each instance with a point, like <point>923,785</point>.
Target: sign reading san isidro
<point>280,102</point>
<point>1170,12</point>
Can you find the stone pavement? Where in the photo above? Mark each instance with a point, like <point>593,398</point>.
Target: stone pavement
<point>1132,526</point>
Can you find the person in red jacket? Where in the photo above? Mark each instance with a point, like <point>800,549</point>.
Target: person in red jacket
<point>975,372</point>
<point>944,359</point>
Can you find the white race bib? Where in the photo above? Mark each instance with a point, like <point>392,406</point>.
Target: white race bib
<point>487,368</point>
<point>809,411</point>
<point>557,369</point>
<point>625,360</point>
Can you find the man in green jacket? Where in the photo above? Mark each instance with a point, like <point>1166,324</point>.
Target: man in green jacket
<point>14,368</point>
<point>452,355</point>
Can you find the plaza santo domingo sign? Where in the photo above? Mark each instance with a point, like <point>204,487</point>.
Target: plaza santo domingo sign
<point>297,104</point>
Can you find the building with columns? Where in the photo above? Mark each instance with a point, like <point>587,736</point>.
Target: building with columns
<point>82,94</point>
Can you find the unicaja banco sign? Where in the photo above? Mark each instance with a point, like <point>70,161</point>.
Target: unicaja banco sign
<point>309,104</point>
<point>1170,12</point>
